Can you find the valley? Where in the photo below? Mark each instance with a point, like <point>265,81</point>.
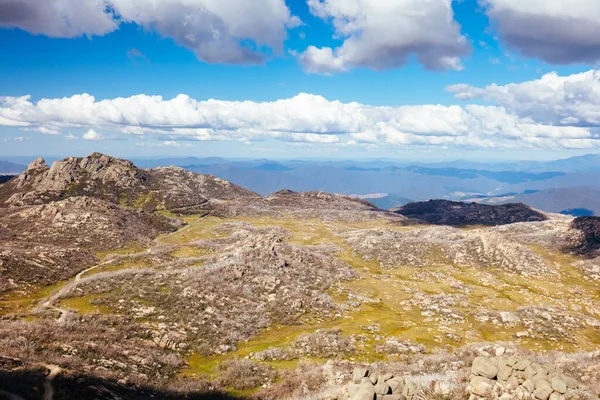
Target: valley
<point>238,298</point>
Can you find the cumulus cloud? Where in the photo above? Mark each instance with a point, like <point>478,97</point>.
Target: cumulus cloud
<point>217,31</point>
<point>552,99</point>
<point>560,32</point>
<point>92,135</point>
<point>383,34</point>
<point>304,118</point>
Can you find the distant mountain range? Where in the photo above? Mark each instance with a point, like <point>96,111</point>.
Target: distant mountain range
<point>570,185</point>
<point>9,168</point>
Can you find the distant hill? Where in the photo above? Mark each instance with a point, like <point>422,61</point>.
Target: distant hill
<point>5,178</point>
<point>500,176</point>
<point>119,182</point>
<point>576,201</point>
<point>9,168</point>
<point>443,212</point>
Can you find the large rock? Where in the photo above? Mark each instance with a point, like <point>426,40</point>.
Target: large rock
<point>559,385</point>
<point>383,388</point>
<point>359,373</point>
<point>481,386</point>
<point>365,393</point>
<point>482,366</point>
<point>373,377</point>
<point>543,393</point>
<point>504,371</point>
<point>396,384</point>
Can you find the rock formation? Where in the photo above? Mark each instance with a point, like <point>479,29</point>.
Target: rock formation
<point>444,212</point>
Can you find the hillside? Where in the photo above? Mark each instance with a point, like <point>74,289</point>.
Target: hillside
<point>51,242</point>
<point>119,182</point>
<point>280,297</point>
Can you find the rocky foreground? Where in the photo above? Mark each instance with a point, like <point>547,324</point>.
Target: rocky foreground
<point>118,282</point>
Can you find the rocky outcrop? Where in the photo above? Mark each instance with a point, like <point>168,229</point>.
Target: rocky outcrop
<point>586,238</point>
<point>512,378</point>
<point>117,181</point>
<point>368,384</point>
<point>45,243</point>
<point>305,205</point>
<point>444,212</point>
<point>83,221</point>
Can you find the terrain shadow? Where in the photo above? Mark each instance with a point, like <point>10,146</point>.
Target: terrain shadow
<point>29,385</point>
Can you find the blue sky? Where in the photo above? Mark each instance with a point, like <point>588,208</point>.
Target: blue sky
<point>151,55</point>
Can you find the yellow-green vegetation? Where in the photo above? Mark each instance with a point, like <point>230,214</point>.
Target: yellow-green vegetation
<point>191,251</point>
<point>84,305</point>
<point>384,302</point>
<point>143,200</point>
<point>126,264</point>
<point>496,290</point>
<point>23,300</point>
<point>125,250</point>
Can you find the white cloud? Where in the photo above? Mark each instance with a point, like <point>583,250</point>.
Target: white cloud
<point>212,29</point>
<point>70,136</point>
<point>557,31</point>
<point>92,135</point>
<point>552,99</point>
<point>382,34</point>
<point>304,118</point>
<point>16,139</point>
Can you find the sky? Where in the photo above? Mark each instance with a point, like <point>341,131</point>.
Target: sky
<point>400,79</point>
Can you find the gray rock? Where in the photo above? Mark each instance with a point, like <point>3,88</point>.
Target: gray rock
<point>383,388</point>
<point>396,384</point>
<point>394,397</point>
<point>365,393</point>
<point>481,386</point>
<point>539,383</point>
<point>387,377</point>
<point>559,385</point>
<point>366,382</point>
<point>374,377</point>
<point>571,382</point>
<point>482,366</point>
<point>534,370</point>
<point>513,382</point>
<point>543,393</point>
<point>353,388</point>
<point>522,393</point>
<point>529,385</point>
<point>358,374</point>
<point>522,364</point>
<point>504,372</point>
<point>555,396</point>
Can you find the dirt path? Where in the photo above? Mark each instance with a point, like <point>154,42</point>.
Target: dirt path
<point>48,387</point>
<point>48,302</point>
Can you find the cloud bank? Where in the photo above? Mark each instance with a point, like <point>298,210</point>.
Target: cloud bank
<point>217,31</point>
<point>383,34</point>
<point>554,113</point>
<point>553,99</point>
<point>559,32</point>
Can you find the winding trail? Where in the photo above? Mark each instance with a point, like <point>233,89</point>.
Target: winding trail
<point>47,303</point>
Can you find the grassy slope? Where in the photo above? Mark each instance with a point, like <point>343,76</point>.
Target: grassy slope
<point>387,289</point>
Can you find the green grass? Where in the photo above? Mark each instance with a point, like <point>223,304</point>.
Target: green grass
<point>83,305</point>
